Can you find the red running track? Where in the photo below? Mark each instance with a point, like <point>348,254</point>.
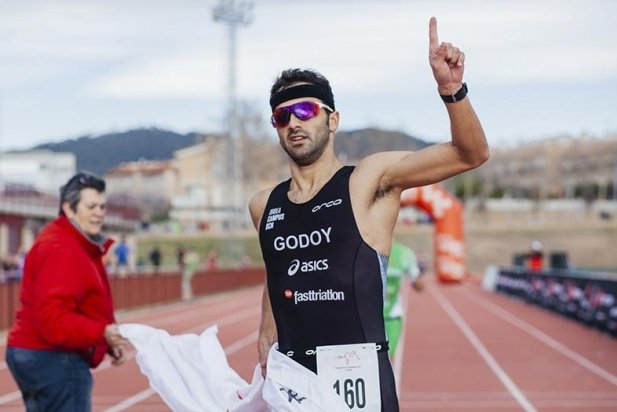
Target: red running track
<point>463,349</point>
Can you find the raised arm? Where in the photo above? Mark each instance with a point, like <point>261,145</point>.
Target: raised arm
<point>468,140</point>
<point>467,149</point>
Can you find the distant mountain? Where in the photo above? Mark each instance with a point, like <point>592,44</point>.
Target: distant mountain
<point>356,144</point>
<point>99,154</point>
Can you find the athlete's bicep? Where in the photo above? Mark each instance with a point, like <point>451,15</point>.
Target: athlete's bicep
<point>404,170</point>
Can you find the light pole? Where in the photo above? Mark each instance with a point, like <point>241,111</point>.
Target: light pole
<point>1,176</point>
<point>233,14</point>
<point>615,180</point>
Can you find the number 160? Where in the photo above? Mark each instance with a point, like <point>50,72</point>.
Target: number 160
<point>354,393</point>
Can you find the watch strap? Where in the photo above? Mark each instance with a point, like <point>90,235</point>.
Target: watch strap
<point>456,97</point>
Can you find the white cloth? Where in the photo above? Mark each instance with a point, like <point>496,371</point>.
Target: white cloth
<point>290,387</point>
<point>191,374</point>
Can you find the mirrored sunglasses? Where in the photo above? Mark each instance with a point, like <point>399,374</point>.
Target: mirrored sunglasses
<point>302,110</point>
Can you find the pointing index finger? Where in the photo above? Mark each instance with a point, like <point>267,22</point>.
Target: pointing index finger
<point>432,33</point>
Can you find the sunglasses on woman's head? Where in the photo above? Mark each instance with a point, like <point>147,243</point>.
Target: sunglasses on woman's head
<point>82,180</point>
<point>302,110</point>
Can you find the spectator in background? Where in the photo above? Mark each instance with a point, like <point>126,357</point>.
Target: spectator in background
<point>536,256</point>
<point>155,258</point>
<point>180,252</point>
<point>6,265</point>
<point>65,324</point>
<point>122,252</point>
<point>190,262</point>
<point>11,267</point>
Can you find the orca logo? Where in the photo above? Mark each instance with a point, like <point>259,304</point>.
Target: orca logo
<point>309,266</point>
<point>331,203</point>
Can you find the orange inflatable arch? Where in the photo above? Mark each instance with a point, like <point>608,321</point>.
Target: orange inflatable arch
<point>448,240</point>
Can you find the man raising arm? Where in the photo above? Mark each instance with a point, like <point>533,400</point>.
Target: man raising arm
<point>326,232</point>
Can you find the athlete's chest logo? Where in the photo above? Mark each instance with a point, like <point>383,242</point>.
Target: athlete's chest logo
<point>325,205</point>
<point>274,215</point>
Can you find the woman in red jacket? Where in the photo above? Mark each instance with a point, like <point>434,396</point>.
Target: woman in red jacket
<point>65,323</point>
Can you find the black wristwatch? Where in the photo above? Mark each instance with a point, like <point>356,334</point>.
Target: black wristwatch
<point>456,97</point>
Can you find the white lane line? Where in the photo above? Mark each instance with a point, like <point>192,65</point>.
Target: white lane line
<point>537,396</point>
<point>227,320</point>
<point>133,400</point>
<point>145,394</point>
<point>9,397</point>
<point>439,405</point>
<point>516,393</point>
<point>189,314</point>
<point>478,400</point>
<point>546,339</point>
<point>241,344</point>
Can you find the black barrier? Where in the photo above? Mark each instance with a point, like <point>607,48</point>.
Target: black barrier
<point>559,260</point>
<point>587,297</point>
<point>519,259</point>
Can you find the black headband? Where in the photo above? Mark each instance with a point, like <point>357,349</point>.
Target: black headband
<point>303,90</point>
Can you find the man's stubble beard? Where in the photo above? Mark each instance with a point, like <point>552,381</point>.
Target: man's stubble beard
<point>310,157</point>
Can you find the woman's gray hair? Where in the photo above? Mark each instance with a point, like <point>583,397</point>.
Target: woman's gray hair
<point>71,191</point>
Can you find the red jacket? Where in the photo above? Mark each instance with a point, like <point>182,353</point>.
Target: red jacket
<point>65,296</point>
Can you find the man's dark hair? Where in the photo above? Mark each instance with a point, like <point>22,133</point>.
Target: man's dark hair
<point>292,76</point>
<point>71,191</point>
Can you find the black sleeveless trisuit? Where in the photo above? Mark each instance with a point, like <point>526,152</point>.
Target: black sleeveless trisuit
<point>326,285</point>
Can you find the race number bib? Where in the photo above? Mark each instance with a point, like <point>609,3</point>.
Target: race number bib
<point>353,372</point>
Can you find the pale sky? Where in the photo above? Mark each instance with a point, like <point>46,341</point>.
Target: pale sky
<point>534,68</point>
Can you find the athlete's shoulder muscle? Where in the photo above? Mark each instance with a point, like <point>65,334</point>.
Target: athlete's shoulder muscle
<point>257,205</point>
